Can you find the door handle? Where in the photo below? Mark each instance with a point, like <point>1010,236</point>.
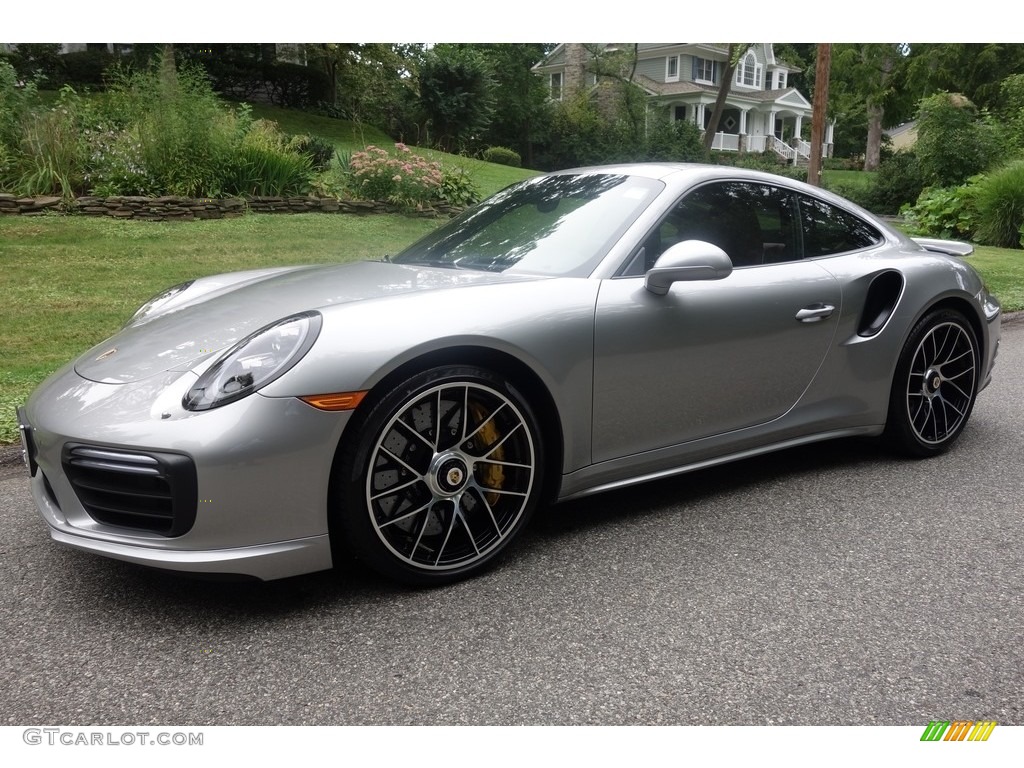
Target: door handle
<point>814,313</point>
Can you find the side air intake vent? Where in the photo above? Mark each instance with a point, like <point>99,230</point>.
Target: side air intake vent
<point>883,294</point>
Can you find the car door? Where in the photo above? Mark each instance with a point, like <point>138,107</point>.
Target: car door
<point>713,356</point>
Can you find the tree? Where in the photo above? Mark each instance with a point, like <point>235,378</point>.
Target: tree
<point>456,94</point>
<point>952,144</point>
<point>973,69</point>
<point>36,61</point>
<point>867,79</point>
<point>821,80</point>
<point>732,61</point>
<point>522,116</point>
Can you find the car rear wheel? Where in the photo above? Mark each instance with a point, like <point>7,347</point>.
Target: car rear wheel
<point>935,385</point>
<point>445,472</point>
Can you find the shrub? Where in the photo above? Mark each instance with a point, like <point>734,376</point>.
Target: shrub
<point>115,164</point>
<point>319,150</point>
<point>53,153</point>
<point>503,156</point>
<point>37,62</point>
<point>952,142</point>
<point>263,164</point>
<point>407,179</point>
<point>1012,114</point>
<point>15,102</point>
<point>1000,205</point>
<point>187,137</point>
<point>295,85</point>
<point>947,212</point>
<point>897,182</point>
<point>456,94</point>
<point>85,69</point>
<point>457,188</point>
<point>855,193</point>
<point>675,140</point>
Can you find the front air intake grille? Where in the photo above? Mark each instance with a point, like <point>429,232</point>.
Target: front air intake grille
<point>153,492</point>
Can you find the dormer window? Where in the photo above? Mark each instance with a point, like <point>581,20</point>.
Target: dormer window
<point>780,78</point>
<point>748,72</point>
<point>672,69</point>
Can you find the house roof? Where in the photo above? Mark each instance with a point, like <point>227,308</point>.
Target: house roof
<point>672,89</point>
<point>787,96</point>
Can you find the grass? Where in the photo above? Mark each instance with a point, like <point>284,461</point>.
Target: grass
<point>848,179</point>
<point>350,137</point>
<point>67,283</point>
<point>1003,271</point>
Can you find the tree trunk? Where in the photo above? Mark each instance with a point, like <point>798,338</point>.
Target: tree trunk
<point>821,77</point>
<point>872,154</point>
<point>723,94</point>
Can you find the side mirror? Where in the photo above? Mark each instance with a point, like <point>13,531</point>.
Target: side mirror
<point>688,260</point>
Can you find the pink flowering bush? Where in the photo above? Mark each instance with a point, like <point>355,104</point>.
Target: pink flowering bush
<point>403,178</point>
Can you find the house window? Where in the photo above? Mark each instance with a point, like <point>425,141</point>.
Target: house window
<point>747,72</point>
<point>672,69</point>
<point>780,79</point>
<point>679,113</point>
<point>703,70</point>
<point>556,86</point>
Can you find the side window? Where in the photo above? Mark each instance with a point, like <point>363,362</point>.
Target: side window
<point>827,230</point>
<point>752,223</point>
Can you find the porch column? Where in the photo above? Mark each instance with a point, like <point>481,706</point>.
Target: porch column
<point>743,121</point>
<point>829,126</point>
<point>699,116</point>
<point>771,123</point>
<point>796,130</point>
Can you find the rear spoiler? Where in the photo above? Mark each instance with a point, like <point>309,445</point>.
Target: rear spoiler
<point>948,247</point>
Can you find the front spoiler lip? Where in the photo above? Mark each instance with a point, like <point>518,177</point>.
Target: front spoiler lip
<point>263,561</point>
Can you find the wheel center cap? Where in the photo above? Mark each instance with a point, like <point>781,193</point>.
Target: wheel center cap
<point>933,380</point>
<point>451,475</point>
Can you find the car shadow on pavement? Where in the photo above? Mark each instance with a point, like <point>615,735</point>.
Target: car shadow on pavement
<point>349,583</point>
<point>666,495</point>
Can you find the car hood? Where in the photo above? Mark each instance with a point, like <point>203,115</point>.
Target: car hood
<point>194,329</point>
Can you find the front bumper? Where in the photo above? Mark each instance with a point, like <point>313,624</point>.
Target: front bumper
<point>262,474</point>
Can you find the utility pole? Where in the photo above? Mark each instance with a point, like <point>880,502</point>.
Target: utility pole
<point>819,109</point>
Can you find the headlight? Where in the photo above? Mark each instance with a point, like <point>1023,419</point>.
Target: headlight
<point>158,302</point>
<point>254,362</point>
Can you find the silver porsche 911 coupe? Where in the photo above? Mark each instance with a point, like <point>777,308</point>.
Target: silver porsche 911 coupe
<point>577,332</point>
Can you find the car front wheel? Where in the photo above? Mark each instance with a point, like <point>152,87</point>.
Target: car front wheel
<point>445,471</point>
<point>935,384</point>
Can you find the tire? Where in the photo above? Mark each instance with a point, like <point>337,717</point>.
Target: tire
<point>426,496</point>
<point>935,385</point>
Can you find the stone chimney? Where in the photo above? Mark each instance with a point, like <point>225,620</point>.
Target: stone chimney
<point>576,58</point>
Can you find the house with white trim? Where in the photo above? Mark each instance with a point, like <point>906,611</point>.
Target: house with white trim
<point>763,113</point>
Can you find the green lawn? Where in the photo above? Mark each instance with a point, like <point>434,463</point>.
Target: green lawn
<point>848,179</point>
<point>1003,270</point>
<point>350,137</point>
<point>69,282</point>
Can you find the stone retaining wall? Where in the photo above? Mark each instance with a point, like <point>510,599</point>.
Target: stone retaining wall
<point>191,208</point>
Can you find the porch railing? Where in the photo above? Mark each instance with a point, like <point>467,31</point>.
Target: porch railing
<point>782,149</point>
<point>726,142</point>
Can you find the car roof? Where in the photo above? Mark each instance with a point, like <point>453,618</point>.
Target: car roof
<point>686,175</point>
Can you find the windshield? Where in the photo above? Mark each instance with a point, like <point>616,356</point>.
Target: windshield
<point>551,225</point>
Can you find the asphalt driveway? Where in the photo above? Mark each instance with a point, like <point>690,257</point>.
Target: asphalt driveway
<point>832,584</point>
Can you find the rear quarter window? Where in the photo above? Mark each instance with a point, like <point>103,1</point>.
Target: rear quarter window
<point>829,230</point>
